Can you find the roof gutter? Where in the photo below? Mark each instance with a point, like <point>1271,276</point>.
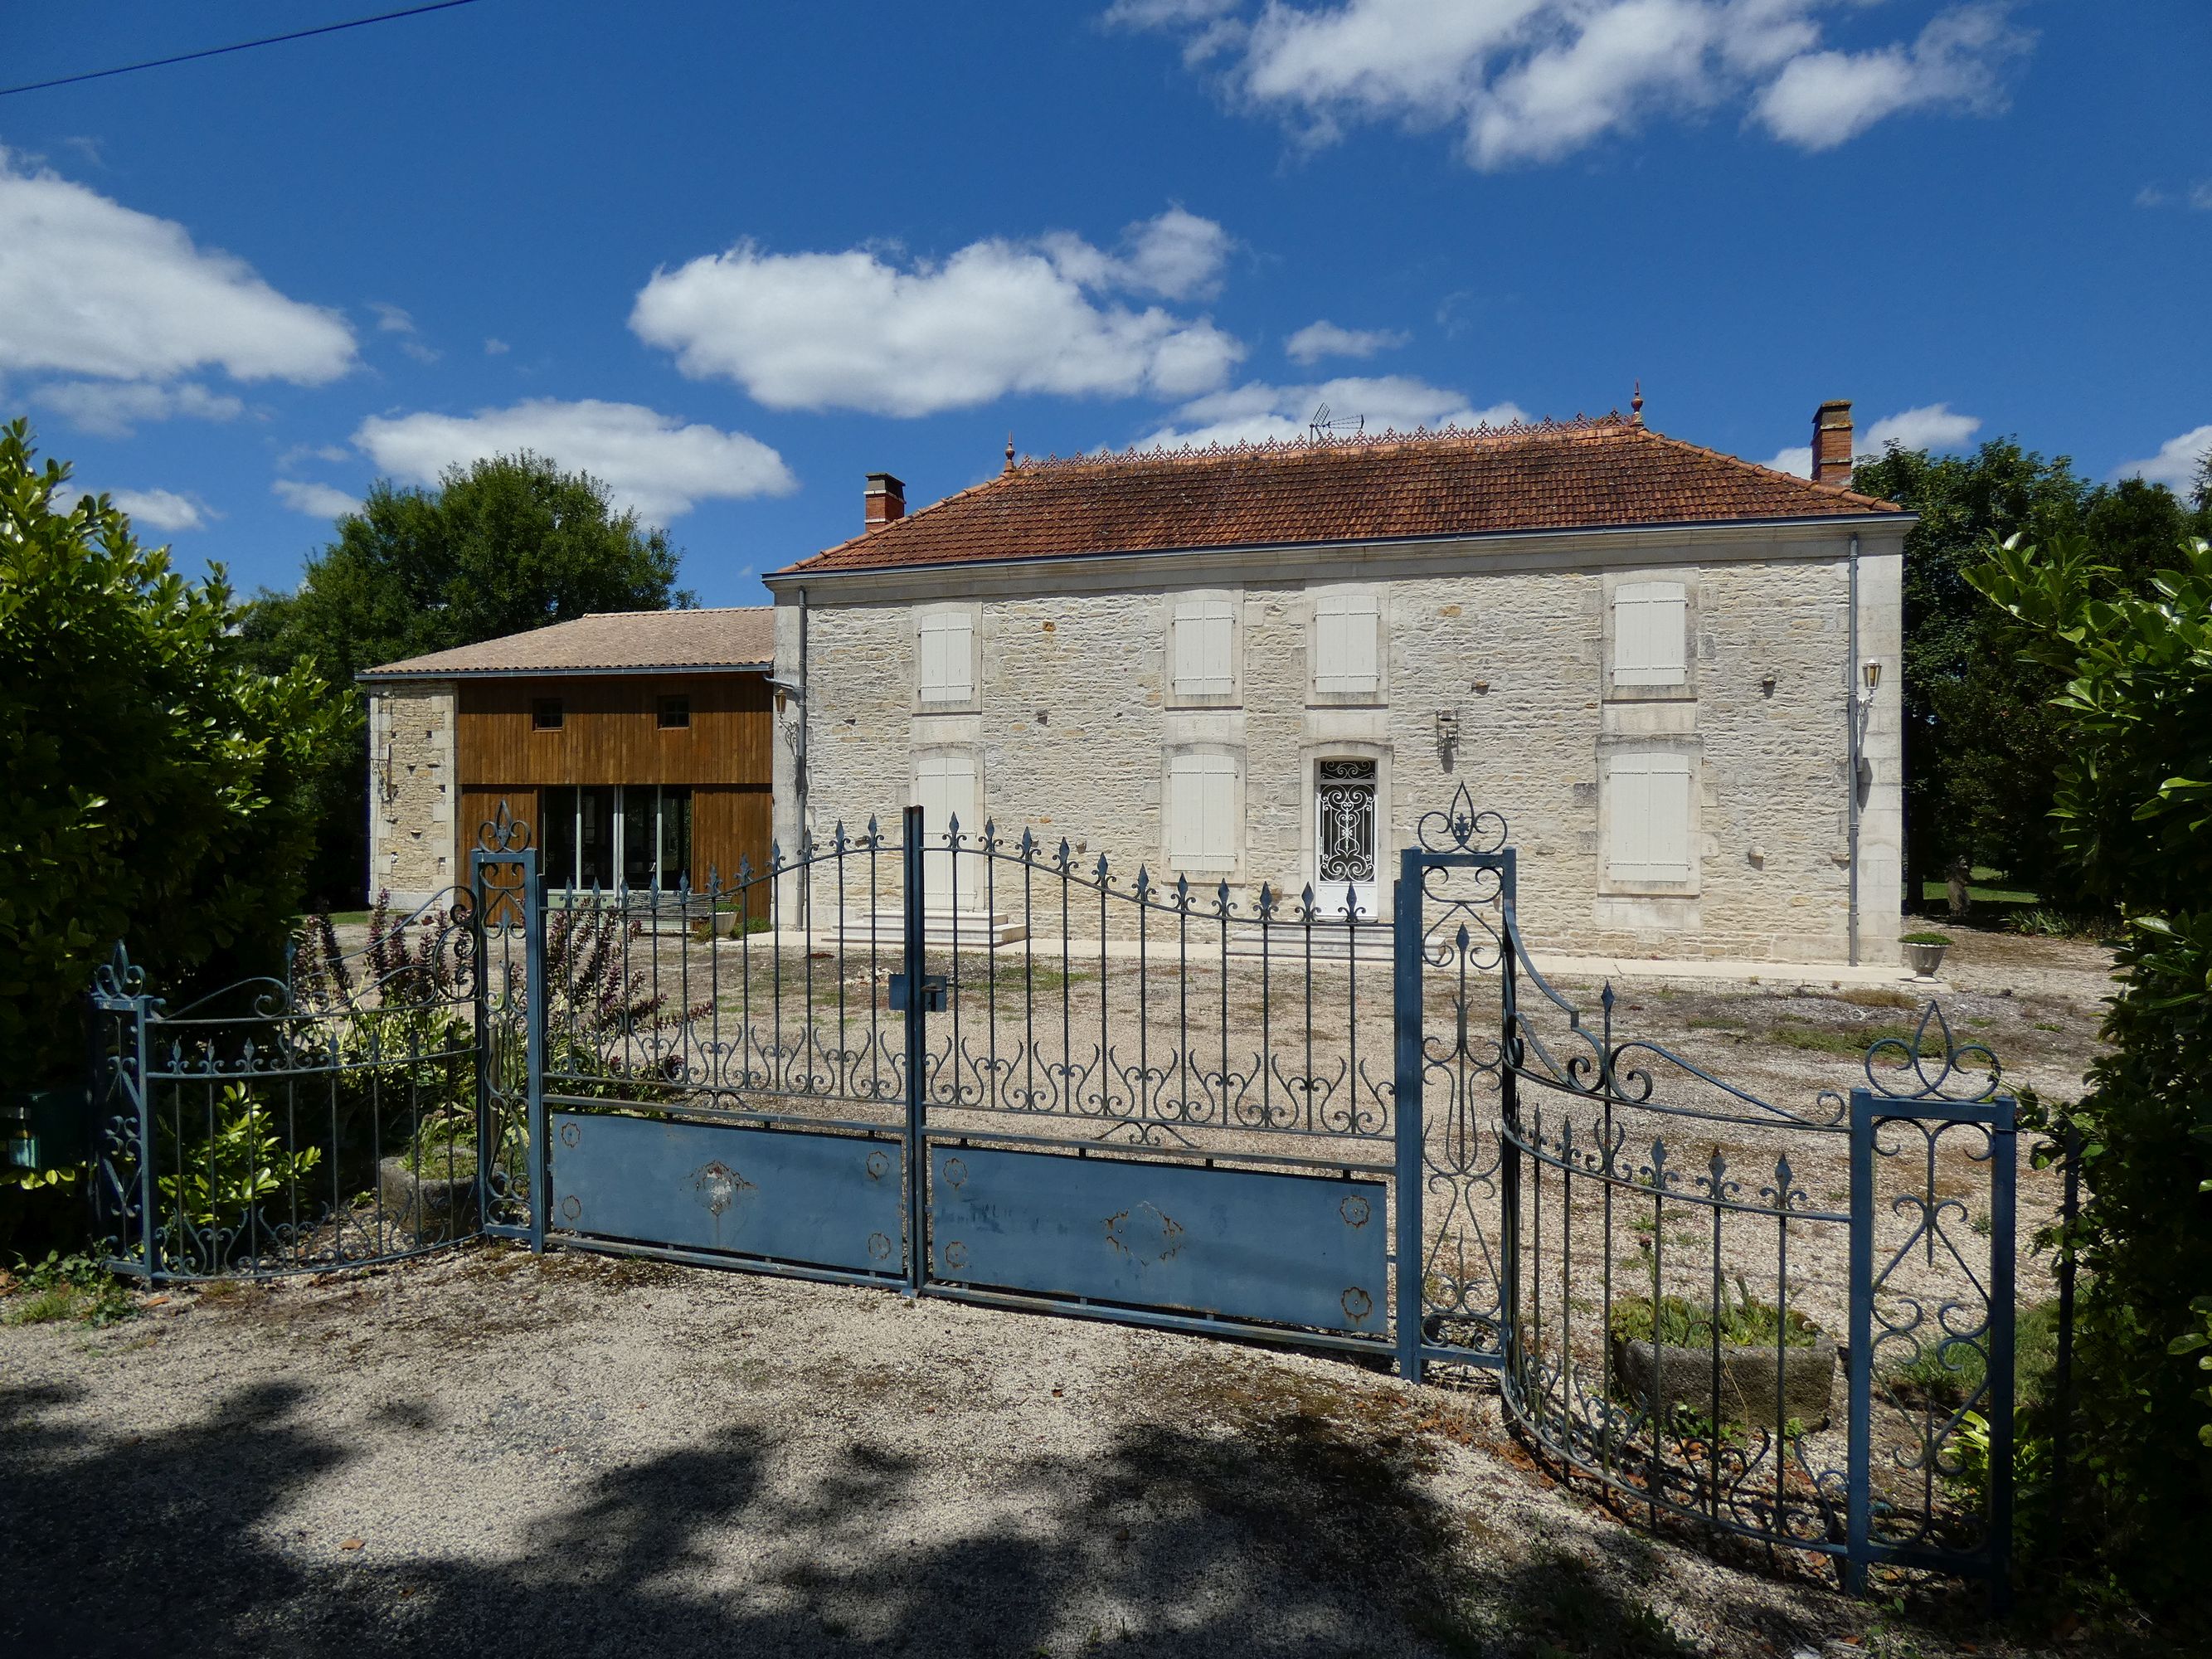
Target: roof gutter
<point>377,676</point>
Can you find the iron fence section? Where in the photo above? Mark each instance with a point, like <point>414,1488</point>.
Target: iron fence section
<point>325,1118</point>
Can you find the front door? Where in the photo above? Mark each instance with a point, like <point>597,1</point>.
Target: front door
<point>1344,836</point>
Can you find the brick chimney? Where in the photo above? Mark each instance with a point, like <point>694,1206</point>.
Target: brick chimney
<point>1831,442</point>
<point>886,497</point>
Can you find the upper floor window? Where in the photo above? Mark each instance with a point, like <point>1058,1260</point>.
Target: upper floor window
<point>1347,643</point>
<point>1203,647</point>
<point>1651,633</point>
<point>675,713</point>
<point>946,666</point>
<point>545,714</point>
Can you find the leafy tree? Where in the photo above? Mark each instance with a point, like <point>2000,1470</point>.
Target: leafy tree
<point>1982,745</point>
<point>155,778</point>
<point>2133,806</point>
<point>500,547</point>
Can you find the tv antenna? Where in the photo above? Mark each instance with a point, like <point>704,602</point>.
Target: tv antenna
<point>1323,426</point>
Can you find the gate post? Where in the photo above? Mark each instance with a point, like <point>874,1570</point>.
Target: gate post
<point>1406,1014</point>
<point>917,1051</point>
<point>533,1046</point>
<point>1859,1458</point>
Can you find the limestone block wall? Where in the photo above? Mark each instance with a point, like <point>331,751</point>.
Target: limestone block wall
<point>412,789</point>
<point>1074,719</point>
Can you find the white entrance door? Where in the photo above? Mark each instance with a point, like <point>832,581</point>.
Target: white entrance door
<point>1344,837</point>
<point>945,788</point>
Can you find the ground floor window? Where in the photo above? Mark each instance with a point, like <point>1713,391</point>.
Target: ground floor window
<point>616,836</point>
<point>1649,818</point>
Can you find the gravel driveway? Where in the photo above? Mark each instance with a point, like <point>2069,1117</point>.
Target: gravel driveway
<point>585,1456</point>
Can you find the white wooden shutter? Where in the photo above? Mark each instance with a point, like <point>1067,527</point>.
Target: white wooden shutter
<point>947,671</point>
<point>1205,635</point>
<point>1347,657</point>
<point>1201,813</point>
<point>1650,634</point>
<point>1648,817</point>
<point>944,788</point>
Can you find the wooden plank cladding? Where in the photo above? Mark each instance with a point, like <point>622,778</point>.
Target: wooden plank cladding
<point>728,825</point>
<point>610,730</point>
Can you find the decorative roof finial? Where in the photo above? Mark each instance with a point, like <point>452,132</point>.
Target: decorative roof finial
<point>1636,405</point>
<point>1009,452</point>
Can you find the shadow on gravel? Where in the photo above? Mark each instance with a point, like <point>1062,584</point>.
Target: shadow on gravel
<point>1287,1539</point>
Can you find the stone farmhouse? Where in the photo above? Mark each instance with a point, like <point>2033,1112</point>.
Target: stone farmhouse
<point>1676,673</point>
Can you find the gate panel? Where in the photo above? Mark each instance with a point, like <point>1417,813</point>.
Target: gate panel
<point>1245,1244</point>
<point>818,1201</point>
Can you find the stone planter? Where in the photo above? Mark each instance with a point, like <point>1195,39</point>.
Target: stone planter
<point>430,1207</point>
<point>1924,960</point>
<point>1751,1393</point>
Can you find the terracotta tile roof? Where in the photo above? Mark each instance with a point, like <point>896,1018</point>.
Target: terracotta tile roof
<point>1608,472</point>
<point>736,637</point>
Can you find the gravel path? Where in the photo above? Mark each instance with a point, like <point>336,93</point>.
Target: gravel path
<point>585,1456</point>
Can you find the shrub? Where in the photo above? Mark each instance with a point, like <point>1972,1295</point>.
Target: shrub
<point>154,790</point>
<point>1681,1323</point>
<point>2134,810</point>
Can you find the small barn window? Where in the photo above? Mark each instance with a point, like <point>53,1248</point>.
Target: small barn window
<point>675,713</point>
<point>545,714</point>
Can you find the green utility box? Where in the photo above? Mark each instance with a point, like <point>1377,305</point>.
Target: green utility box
<point>45,1130</point>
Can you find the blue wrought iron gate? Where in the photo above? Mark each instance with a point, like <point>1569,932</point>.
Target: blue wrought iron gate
<point>990,1070</point>
<point>951,1067</point>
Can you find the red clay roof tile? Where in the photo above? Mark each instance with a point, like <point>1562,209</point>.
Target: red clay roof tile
<point>1609,472</point>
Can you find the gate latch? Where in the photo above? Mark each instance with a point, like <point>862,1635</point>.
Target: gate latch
<point>933,993</point>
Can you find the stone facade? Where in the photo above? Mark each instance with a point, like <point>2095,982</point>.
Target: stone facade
<point>413,790</point>
<point>1074,719</point>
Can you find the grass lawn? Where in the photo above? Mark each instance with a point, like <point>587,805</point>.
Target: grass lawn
<point>1981,888</point>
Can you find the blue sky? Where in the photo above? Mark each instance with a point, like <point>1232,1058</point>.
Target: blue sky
<point>731,260</point>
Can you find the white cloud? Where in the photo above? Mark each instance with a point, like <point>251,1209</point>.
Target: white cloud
<point>155,509</point>
<point>164,509</point>
<point>858,330</point>
<point>2176,462</point>
<point>113,408</point>
<point>1796,461</point>
<point>647,460</point>
<point>1823,99</point>
<point>495,347</point>
<point>1256,411</point>
<point>1931,426</point>
<point>298,452</point>
<point>1325,339</point>
<point>317,501</point>
<point>393,319</point>
<point>2200,195</point>
<point>89,286</point>
<point>1534,79</point>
